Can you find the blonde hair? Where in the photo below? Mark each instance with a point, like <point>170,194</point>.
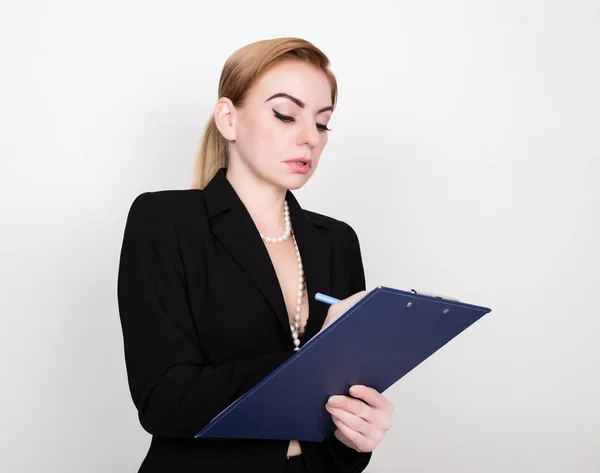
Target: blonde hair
<point>240,72</point>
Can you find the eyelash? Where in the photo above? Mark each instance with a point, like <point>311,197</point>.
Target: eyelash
<point>286,119</point>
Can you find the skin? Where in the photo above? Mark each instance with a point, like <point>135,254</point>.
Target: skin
<point>259,143</point>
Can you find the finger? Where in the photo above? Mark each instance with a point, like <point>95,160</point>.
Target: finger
<point>360,442</point>
<point>373,431</point>
<point>338,309</point>
<point>372,397</point>
<point>356,438</point>
<point>354,298</point>
<point>342,438</point>
<point>351,420</point>
<point>345,304</point>
<point>353,406</point>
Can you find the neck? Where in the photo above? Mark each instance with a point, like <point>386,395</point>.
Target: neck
<point>263,201</point>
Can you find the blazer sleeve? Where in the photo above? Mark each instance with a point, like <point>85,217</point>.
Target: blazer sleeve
<point>347,459</point>
<point>175,391</point>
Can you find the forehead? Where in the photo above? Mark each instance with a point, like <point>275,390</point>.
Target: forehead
<point>296,78</point>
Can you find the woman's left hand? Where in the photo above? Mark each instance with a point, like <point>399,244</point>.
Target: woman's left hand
<point>361,420</point>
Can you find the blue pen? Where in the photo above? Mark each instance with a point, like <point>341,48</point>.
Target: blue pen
<point>327,299</point>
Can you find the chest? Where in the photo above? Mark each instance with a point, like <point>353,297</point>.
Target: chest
<point>243,300</point>
<point>289,269</point>
<point>242,292</point>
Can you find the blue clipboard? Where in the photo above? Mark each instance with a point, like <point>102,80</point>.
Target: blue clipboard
<point>374,343</point>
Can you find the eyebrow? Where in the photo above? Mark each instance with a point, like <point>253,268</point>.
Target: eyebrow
<point>298,102</point>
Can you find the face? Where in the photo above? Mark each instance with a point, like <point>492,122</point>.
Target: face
<point>281,128</point>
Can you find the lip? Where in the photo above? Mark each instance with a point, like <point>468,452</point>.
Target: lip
<point>299,168</point>
<point>308,161</point>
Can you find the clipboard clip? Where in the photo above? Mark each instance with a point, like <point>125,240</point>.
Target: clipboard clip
<point>437,296</point>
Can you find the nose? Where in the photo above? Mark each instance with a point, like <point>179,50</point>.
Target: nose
<point>308,134</point>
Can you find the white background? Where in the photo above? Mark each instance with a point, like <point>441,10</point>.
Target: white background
<point>464,151</point>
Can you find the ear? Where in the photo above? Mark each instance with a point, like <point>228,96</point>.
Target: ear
<point>225,115</point>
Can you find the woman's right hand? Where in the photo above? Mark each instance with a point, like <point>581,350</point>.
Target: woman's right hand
<point>336,310</point>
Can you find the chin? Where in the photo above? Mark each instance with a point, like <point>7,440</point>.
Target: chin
<point>295,181</point>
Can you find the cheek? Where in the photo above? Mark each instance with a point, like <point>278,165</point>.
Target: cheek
<point>262,140</point>
<point>316,154</point>
<point>321,145</point>
<point>324,139</point>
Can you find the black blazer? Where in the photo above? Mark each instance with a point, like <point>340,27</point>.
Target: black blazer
<point>204,319</point>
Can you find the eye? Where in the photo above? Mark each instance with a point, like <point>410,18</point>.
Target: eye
<point>283,118</point>
<point>287,119</point>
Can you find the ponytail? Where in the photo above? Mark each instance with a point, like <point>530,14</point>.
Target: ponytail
<point>213,155</point>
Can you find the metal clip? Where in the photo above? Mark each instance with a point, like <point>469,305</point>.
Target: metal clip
<point>437,296</point>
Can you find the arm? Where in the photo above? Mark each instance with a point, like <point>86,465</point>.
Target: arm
<point>174,390</point>
<point>345,458</point>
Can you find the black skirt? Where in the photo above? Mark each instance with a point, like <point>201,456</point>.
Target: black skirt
<point>295,464</point>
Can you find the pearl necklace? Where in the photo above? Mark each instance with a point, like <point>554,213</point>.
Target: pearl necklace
<point>288,230</point>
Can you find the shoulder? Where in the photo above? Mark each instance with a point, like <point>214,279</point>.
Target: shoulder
<point>162,214</point>
<point>162,203</point>
<point>345,245</point>
<point>337,229</point>
<point>168,199</point>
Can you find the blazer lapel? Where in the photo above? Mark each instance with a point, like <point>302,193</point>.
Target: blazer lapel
<point>234,227</point>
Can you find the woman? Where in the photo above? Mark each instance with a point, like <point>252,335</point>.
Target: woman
<point>216,283</point>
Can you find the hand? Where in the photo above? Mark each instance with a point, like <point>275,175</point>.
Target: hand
<point>361,420</point>
<point>336,310</point>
